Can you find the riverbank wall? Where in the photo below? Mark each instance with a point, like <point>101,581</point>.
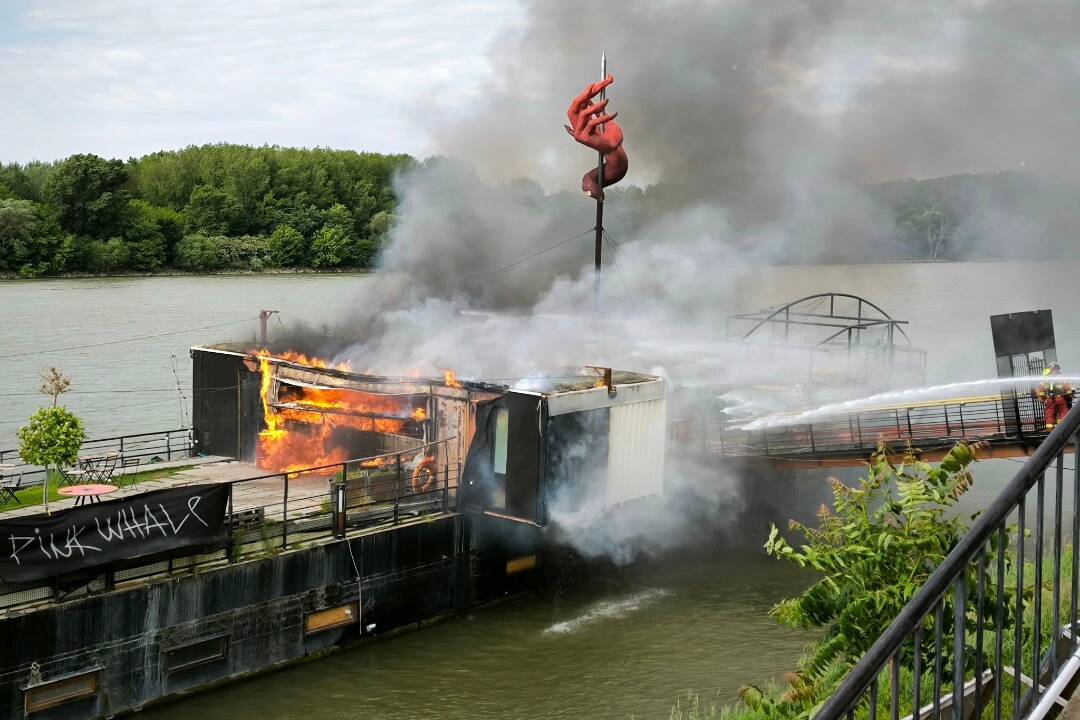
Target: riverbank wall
<point>119,651</point>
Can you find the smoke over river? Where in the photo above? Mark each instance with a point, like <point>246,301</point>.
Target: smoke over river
<point>757,126</point>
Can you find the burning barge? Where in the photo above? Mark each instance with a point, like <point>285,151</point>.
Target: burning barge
<point>381,503</point>
<point>595,434</point>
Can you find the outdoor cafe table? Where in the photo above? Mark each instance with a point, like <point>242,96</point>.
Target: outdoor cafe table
<point>86,493</point>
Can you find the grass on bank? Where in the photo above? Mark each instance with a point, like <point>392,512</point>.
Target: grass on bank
<point>32,496</point>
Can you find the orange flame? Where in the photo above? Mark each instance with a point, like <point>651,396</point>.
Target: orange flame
<point>300,431</point>
<point>451,379</point>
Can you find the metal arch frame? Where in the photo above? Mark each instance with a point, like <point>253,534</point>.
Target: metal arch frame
<point>860,321</point>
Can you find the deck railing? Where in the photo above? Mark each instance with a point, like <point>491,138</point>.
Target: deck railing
<point>269,513</point>
<point>164,444</point>
<point>926,425</point>
<point>978,641</point>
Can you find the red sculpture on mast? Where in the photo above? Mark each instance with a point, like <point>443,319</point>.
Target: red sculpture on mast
<point>591,127</point>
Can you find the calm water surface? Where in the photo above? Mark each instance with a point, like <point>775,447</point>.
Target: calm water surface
<point>618,649</point>
<point>612,649</point>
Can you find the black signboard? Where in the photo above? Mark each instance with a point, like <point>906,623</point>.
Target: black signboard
<point>1020,333</point>
<point>41,546</point>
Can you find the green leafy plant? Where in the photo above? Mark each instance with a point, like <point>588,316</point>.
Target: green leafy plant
<point>874,550</point>
<point>52,440</point>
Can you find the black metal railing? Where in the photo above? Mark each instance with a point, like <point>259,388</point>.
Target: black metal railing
<point>991,634</point>
<point>270,513</point>
<point>164,444</point>
<point>929,425</point>
<point>328,500</point>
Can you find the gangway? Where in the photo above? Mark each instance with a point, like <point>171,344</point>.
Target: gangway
<point>1006,426</point>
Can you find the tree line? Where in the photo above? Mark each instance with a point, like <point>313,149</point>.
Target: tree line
<point>212,207</point>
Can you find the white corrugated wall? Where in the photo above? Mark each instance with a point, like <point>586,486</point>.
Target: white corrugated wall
<point>637,440</point>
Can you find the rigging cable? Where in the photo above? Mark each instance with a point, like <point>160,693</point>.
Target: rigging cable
<point>539,252</point>
<point>125,340</point>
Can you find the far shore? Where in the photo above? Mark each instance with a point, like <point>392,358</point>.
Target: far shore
<point>193,273</point>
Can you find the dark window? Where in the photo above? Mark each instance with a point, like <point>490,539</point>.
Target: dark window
<point>194,654</point>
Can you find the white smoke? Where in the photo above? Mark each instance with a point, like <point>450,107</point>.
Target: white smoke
<point>760,121</point>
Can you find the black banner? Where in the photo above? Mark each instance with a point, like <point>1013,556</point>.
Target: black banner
<point>40,546</point>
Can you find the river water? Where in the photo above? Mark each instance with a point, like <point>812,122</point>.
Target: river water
<point>625,646</point>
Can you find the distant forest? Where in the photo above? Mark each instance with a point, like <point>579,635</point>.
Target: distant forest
<point>214,207</point>
<point>234,207</point>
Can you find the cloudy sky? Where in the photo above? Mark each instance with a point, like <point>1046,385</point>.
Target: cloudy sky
<point>125,77</point>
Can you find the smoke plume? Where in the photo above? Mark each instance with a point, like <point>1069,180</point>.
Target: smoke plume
<point>756,128</point>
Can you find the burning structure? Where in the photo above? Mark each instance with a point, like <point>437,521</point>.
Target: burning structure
<point>581,434</point>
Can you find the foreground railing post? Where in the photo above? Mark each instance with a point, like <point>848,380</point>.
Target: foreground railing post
<point>1075,539</point>
<point>1059,478</point>
<point>339,510</point>
<point>397,488</point>
<point>1036,640</point>
<point>999,621</point>
<point>917,671</point>
<point>229,525</point>
<point>894,687</point>
<point>284,511</point>
<point>959,613</point>
<point>1018,639</point>
<point>168,446</point>
<point>446,486</point>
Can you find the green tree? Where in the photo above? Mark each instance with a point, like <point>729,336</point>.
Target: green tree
<point>332,247</point>
<point>378,230</point>
<point>288,248</point>
<point>106,256</point>
<point>147,219</point>
<point>198,251</point>
<point>87,193</point>
<point>53,436</point>
<point>232,196</point>
<point>18,221</point>
<point>339,217</point>
<point>929,227</point>
<point>31,241</point>
<point>208,210</point>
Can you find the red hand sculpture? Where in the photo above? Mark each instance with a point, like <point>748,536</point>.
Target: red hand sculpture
<point>585,117</point>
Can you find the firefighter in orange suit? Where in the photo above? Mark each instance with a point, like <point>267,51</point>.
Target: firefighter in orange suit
<point>1056,396</point>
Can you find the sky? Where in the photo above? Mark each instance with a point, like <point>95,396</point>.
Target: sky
<point>122,78</point>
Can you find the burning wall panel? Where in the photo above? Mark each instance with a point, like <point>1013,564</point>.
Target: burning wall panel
<point>310,424</point>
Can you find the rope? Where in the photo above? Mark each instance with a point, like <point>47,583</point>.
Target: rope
<point>125,340</point>
<point>539,252</point>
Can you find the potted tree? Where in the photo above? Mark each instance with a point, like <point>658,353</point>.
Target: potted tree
<point>53,436</point>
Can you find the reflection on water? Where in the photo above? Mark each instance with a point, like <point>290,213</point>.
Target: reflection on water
<point>613,648</point>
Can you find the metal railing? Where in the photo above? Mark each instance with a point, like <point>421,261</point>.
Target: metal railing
<point>270,513</point>
<point>164,444</point>
<point>978,641</point>
<point>929,425</point>
<point>320,502</point>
